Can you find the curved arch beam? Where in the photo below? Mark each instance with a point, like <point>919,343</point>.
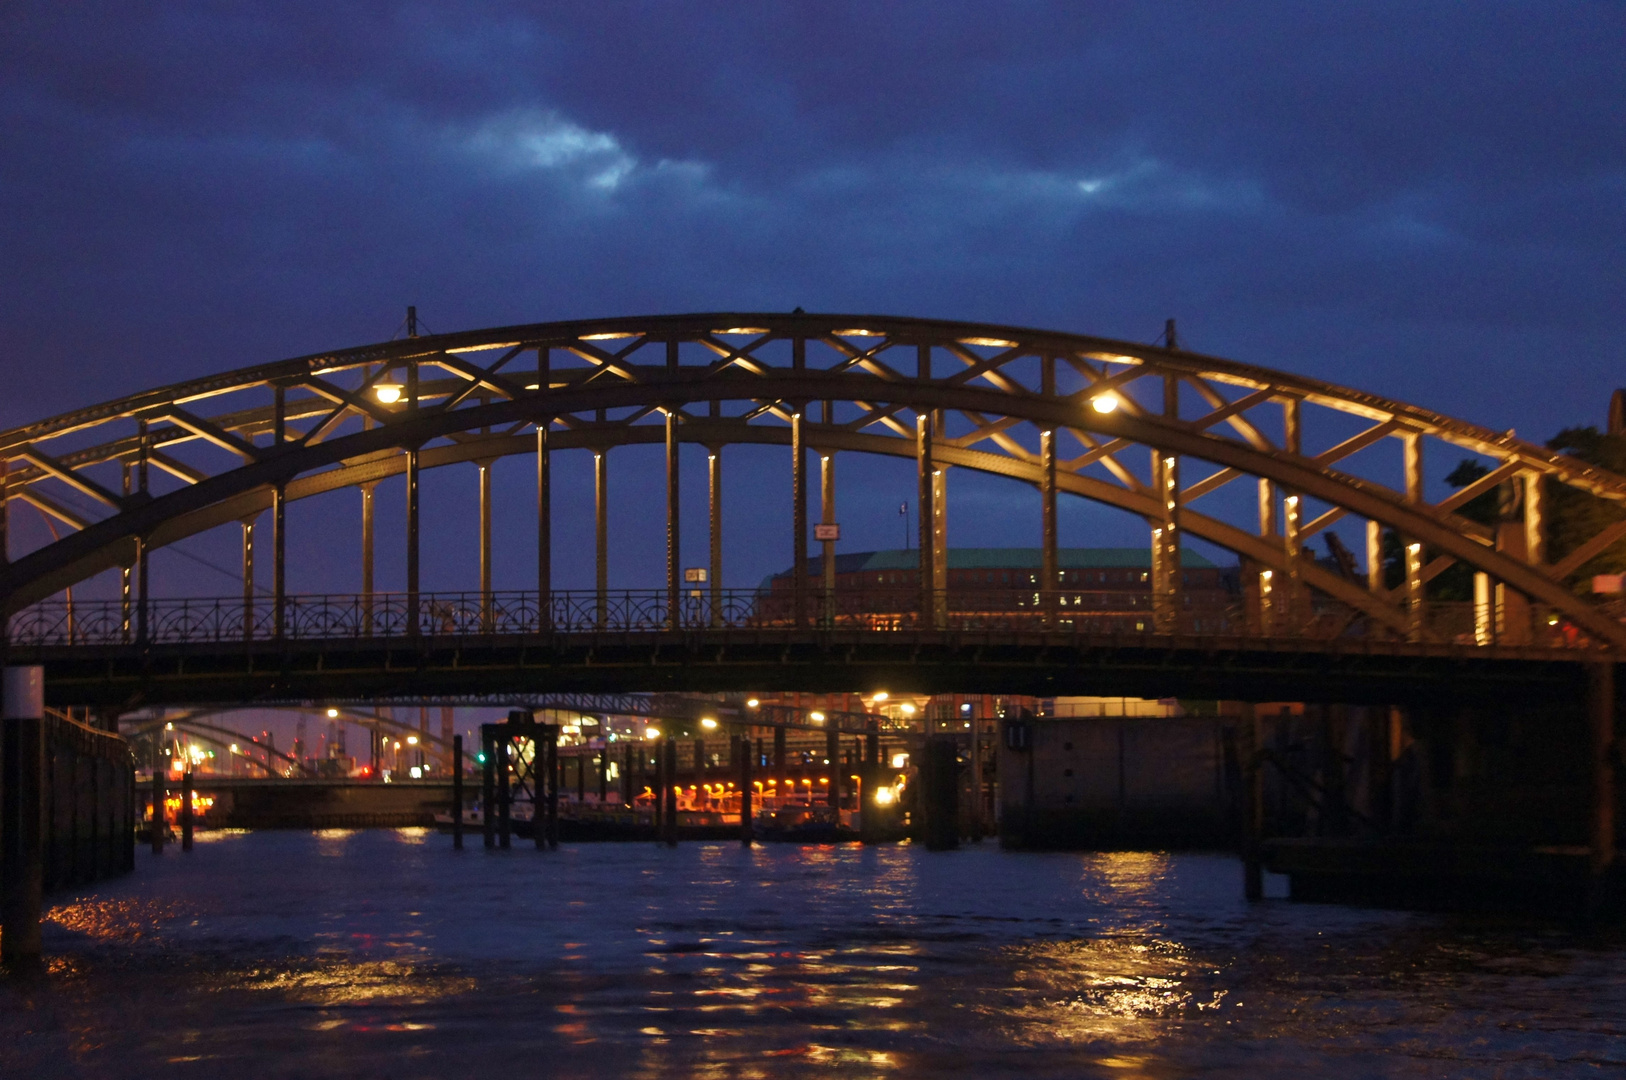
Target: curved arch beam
<point>74,557</point>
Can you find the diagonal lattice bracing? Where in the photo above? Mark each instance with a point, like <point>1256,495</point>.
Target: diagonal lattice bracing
<point>124,477</point>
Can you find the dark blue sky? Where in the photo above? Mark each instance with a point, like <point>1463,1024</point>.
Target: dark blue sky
<point>1423,200</point>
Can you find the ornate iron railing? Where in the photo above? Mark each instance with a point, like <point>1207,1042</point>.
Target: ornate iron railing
<point>392,616</point>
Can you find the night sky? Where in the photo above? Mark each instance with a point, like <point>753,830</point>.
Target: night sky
<point>1422,200</point>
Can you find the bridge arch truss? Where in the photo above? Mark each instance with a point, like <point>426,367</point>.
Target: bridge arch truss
<point>1155,432</point>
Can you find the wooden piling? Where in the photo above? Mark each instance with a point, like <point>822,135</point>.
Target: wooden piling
<point>22,850</point>
<point>488,786</point>
<point>457,792</point>
<point>505,809</point>
<point>747,761</point>
<point>1251,745</point>
<point>1601,713</point>
<point>669,825</point>
<point>186,810</point>
<point>554,775</point>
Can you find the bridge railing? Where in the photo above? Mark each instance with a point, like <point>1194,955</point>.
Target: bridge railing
<point>1124,613</point>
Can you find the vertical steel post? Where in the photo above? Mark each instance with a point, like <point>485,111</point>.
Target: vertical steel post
<point>22,814</point>
<point>186,809</point>
<point>1415,616</point>
<point>143,579</point>
<point>674,554</point>
<point>248,579</point>
<point>940,562</point>
<point>1048,569</point>
<point>1374,557</point>
<point>926,492</point>
<point>544,527</point>
<point>279,561</point>
<point>368,584</point>
<point>414,625</point>
<point>714,465</point>
<point>827,515</point>
<point>1268,593</point>
<point>457,792</point>
<point>5,511</point>
<point>601,533</point>
<point>126,587</point>
<point>486,613</point>
<point>798,496</point>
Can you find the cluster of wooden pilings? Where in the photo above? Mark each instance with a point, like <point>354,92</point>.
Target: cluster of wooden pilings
<point>67,809</point>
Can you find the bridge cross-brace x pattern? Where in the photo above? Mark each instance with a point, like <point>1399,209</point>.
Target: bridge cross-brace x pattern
<point>1161,433</point>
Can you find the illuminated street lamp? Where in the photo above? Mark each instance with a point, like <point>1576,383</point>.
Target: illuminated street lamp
<point>708,723</point>
<point>1105,403</point>
<point>333,714</point>
<point>388,393</point>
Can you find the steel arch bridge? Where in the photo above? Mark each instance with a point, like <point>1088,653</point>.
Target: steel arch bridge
<point>1156,432</point>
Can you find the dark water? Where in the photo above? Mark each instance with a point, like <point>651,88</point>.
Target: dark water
<point>386,954</point>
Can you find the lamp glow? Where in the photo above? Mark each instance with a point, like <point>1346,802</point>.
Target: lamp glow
<point>708,723</point>
<point>388,393</point>
<point>1105,403</point>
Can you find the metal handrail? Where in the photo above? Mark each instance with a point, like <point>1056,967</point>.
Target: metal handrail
<point>389,616</point>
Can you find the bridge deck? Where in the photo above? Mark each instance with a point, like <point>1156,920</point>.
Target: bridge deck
<point>922,661</point>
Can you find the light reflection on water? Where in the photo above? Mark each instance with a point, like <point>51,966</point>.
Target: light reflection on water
<point>350,952</point>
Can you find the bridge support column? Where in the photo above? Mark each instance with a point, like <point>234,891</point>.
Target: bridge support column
<point>1048,570</point>
<point>22,822</point>
<point>1267,590</point>
<point>714,476</point>
<point>544,528</point>
<point>601,535</point>
<point>674,547</point>
<point>1601,713</point>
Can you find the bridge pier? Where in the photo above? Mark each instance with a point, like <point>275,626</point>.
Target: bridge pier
<point>22,810</point>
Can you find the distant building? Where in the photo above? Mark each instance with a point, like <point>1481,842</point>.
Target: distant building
<point>1112,585</point>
